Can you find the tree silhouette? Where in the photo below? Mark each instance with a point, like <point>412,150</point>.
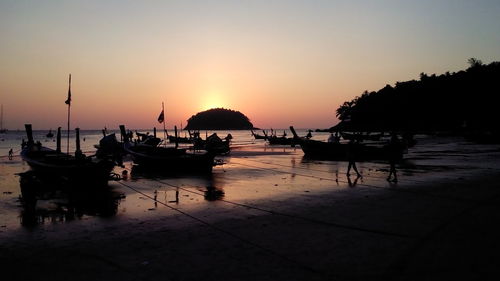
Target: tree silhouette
<point>435,102</point>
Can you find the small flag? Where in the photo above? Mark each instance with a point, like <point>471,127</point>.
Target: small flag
<point>68,101</point>
<point>161,118</point>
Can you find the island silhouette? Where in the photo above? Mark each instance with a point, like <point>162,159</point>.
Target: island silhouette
<point>219,119</point>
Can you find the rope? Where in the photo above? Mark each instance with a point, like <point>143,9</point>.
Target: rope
<point>237,237</point>
<point>420,193</point>
<point>311,220</point>
<point>323,171</point>
<point>14,154</point>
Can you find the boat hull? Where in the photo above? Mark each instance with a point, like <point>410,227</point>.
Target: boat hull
<point>50,164</point>
<point>169,159</point>
<point>281,141</point>
<point>339,151</point>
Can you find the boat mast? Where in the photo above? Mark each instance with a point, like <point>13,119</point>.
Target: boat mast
<point>68,102</point>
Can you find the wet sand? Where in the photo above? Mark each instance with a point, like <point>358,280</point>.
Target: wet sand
<point>281,219</point>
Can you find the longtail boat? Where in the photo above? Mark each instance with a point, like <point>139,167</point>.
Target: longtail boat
<point>168,159</point>
<point>339,151</point>
<point>77,168</point>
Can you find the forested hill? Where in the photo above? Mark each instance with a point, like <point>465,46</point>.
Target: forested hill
<point>450,101</point>
<point>219,119</point>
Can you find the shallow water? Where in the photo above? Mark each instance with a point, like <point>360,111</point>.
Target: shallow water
<point>256,177</point>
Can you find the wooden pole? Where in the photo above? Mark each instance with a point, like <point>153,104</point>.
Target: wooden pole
<point>123,133</point>
<point>29,133</point>
<point>69,114</point>
<point>68,101</point>
<point>78,151</point>
<point>176,140</point>
<point>58,140</point>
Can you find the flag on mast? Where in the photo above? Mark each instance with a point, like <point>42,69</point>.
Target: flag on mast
<point>68,101</point>
<point>161,118</point>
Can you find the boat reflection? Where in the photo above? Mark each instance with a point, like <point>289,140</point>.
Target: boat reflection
<point>142,172</point>
<point>213,193</point>
<point>210,184</point>
<point>47,201</point>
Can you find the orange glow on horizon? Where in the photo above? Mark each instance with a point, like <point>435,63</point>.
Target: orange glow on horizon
<point>213,99</point>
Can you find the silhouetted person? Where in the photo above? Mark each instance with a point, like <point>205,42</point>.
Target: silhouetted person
<point>394,154</point>
<point>352,183</point>
<point>331,138</point>
<point>334,139</point>
<point>11,154</point>
<point>352,154</point>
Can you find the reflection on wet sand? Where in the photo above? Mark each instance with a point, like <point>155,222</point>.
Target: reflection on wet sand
<point>214,193</point>
<point>45,201</point>
<point>140,172</point>
<point>209,185</point>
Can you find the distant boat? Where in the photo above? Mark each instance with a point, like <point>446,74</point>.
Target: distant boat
<point>361,137</point>
<point>50,134</point>
<point>168,159</point>
<point>214,144</point>
<point>50,163</point>
<point>339,151</point>
<point>257,136</point>
<point>275,140</point>
<point>174,139</point>
<point>282,140</point>
<point>2,129</point>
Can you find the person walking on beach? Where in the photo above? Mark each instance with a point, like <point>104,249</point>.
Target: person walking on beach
<point>394,153</point>
<point>352,154</point>
<point>11,154</point>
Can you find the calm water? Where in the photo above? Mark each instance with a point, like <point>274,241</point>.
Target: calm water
<point>255,175</point>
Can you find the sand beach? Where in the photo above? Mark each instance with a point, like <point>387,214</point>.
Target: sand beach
<point>267,214</point>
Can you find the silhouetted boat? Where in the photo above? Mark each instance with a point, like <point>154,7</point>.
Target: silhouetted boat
<point>361,137</point>
<point>214,144</point>
<point>275,140</point>
<point>174,139</point>
<point>339,151</point>
<point>146,138</point>
<point>50,134</point>
<point>50,163</point>
<point>257,136</point>
<point>168,158</point>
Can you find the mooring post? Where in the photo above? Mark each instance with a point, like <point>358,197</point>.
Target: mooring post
<point>176,140</point>
<point>123,133</point>
<point>78,151</point>
<point>29,133</point>
<point>58,140</point>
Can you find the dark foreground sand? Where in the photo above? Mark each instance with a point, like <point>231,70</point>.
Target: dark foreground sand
<point>444,230</point>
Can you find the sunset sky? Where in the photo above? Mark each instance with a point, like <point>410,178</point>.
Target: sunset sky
<point>280,63</point>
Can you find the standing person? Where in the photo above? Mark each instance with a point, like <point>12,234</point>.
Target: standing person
<point>331,138</point>
<point>352,154</point>
<point>394,154</point>
<point>11,154</point>
<point>309,135</point>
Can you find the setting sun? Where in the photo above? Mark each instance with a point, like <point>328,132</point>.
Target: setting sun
<point>213,99</point>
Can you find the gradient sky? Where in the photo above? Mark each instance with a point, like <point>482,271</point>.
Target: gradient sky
<point>280,63</point>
